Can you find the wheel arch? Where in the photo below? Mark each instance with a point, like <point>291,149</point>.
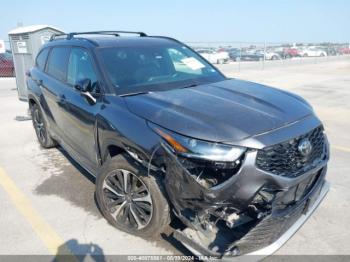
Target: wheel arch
<point>114,146</point>
<point>112,150</point>
<point>32,100</point>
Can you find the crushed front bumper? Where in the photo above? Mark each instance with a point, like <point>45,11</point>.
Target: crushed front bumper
<point>270,249</point>
<point>295,200</point>
<point>290,224</point>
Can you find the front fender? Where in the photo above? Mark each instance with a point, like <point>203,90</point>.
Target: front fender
<point>120,128</point>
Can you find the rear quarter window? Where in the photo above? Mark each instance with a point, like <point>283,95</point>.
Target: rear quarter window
<point>41,59</point>
<point>58,63</point>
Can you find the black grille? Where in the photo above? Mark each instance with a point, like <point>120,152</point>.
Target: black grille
<point>285,159</point>
<point>274,226</point>
<point>297,192</point>
<point>268,231</point>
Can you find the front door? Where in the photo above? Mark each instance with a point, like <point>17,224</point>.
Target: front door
<point>81,113</point>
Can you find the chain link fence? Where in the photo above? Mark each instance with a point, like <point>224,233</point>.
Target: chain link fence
<point>260,55</point>
<point>6,60</point>
<point>240,55</point>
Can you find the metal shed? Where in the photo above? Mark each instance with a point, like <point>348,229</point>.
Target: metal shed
<point>25,44</point>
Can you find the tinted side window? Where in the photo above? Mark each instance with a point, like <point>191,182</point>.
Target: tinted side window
<point>41,59</point>
<point>58,62</point>
<point>80,67</point>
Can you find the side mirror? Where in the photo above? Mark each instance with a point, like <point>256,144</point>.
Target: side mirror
<point>83,85</point>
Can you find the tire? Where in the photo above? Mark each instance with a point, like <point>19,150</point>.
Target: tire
<point>111,198</point>
<point>305,55</point>
<point>41,128</point>
<point>274,57</point>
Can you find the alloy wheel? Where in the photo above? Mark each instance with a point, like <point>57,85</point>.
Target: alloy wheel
<point>127,199</point>
<point>39,125</point>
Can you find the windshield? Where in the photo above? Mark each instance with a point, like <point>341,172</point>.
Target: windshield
<point>155,68</point>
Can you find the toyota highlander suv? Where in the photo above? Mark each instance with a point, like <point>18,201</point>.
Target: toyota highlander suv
<point>168,136</point>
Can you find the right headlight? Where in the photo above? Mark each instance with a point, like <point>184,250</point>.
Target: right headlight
<point>194,148</point>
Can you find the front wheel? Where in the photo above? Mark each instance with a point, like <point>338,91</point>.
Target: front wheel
<point>131,200</point>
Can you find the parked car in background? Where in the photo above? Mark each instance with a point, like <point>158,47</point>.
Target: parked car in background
<point>344,50</point>
<point>7,68</point>
<point>287,52</point>
<point>290,52</point>
<point>312,51</point>
<point>238,55</point>
<point>269,55</point>
<point>330,50</point>
<point>213,56</point>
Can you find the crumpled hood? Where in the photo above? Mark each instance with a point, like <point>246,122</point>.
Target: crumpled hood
<point>231,110</point>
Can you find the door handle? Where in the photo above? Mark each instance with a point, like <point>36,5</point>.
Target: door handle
<point>61,99</point>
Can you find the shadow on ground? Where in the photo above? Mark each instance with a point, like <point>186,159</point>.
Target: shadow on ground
<point>72,183</point>
<point>73,251</point>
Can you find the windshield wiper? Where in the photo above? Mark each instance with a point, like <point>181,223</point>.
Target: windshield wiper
<point>135,93</point>
<point>191,85</point>
<point>148,92</point>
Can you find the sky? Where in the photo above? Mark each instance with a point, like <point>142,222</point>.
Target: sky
<point>272,21</point>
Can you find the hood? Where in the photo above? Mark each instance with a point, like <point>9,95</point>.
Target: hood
<point>226,111</point>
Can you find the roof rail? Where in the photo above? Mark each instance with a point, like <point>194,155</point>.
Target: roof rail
<point>115,33</point>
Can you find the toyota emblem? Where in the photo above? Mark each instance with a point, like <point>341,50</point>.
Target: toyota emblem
<point>305,147</point>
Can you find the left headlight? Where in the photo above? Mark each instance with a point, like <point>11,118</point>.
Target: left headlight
<point>194,148</point>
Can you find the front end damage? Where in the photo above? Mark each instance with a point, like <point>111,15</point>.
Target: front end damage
<point>249,205</point>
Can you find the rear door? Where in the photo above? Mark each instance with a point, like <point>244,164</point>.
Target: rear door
<point>53,85</point>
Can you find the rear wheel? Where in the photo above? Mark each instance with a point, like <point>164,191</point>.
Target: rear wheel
<point>41,128</point>
<point>131,200</point>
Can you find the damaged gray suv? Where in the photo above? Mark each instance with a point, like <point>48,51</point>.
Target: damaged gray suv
<point>168,136</point>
